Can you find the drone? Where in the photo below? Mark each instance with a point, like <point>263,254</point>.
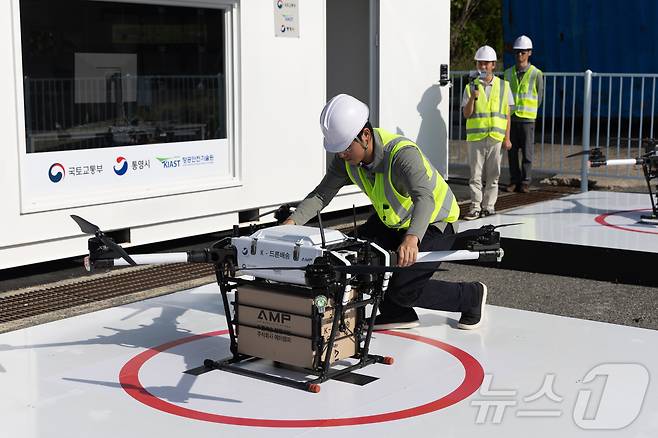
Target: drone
<point>299,294</point>
<point>649,163</point>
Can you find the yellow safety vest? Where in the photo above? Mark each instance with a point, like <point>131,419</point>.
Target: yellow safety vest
<point>526,97</point>
<point>394,209</point>
<point>489,116</point>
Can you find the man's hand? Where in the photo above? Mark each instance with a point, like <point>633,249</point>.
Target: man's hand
<point>408,250</point>
<point>507,144</point>
<point>288,222</point>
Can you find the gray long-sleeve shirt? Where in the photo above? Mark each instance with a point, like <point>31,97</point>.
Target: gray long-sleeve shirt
<point>408,177</point>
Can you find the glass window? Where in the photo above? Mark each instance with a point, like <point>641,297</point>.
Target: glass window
<point>100,74</point>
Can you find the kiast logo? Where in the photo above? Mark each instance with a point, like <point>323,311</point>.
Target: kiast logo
<point>56,172</point>
<point>123,166</point>
<point>169,162</point>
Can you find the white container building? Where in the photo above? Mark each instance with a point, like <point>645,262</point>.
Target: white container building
<point>168,118</point>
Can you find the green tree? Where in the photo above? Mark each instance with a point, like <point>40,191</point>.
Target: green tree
<point>474,23</point>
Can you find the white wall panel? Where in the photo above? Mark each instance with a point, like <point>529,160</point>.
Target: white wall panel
<point>414,41</point>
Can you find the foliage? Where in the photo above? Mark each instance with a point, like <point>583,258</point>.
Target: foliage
<point>474,23</point>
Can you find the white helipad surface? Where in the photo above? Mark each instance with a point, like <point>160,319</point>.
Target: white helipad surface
<point>119,373</point>
<point>600,219</point>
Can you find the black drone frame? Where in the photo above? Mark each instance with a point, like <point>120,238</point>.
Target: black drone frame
<point>649,163</point>
<point>325,279</point>
<point>369,273</point>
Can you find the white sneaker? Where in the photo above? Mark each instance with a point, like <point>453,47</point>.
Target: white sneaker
<point>473,213</point>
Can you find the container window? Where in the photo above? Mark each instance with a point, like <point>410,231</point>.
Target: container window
<point>99,74</point>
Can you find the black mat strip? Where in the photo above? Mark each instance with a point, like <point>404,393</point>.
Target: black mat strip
<point>198,370</point>
<point>356,378</point>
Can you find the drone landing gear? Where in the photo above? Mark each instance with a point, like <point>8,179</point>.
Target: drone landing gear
<point>312,384</point>
<point>650,170</point>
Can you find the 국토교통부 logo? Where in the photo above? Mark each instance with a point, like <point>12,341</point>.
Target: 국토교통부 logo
<point>56,172</point>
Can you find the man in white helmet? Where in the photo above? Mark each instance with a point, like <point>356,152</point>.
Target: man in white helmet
<point>527,83</point>
<point>486,105</point>
<point>414,206</point>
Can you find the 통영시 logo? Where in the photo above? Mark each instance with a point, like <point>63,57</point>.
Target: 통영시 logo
<point>123,166</point>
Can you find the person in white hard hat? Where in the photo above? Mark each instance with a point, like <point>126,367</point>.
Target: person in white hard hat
<point>527,83</point>
<point>414,211</point>
<point>486,103</point>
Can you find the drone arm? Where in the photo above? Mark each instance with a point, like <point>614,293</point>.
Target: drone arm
<point>620,162</point>
<point>209,255</point>
<point>446,256</point>
<point>155,259</point>
<point>92,262</point>
<point>462,254</point>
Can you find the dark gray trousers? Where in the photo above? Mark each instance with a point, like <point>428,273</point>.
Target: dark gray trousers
<point>418,289</point>
<point>522,136</point>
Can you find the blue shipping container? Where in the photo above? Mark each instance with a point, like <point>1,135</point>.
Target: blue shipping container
<point>605,36</point>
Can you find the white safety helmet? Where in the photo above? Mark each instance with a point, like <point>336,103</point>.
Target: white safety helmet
<point>522,43</point>
<point>341,120</point>
<point>485,53</point>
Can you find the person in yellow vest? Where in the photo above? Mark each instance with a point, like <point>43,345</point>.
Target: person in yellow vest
<point>527,83</point>
<point>414,211</point>
<point>486,103</point>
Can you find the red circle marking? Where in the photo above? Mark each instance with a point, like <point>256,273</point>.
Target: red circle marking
<point>129,379</point>
<point>602,219</point>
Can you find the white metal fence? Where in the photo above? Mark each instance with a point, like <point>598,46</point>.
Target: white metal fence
<point>120,110</point>
<point>613,111</point>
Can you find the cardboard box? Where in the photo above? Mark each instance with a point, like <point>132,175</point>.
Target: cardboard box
<point>293,300</point>
<point>276,324</point>
<point>285,322</point>
<point>289,349</point>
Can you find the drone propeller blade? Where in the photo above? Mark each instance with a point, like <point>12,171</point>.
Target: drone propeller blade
<point>576,154</point>
<point>595,154</point>
<point>85,226</point>
<point>114,246</point>
<point>281,213</point>
<point>89,228</point>
<point>483,230</point>
<point>508,225</point>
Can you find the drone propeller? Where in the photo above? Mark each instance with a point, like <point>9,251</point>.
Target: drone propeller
<point>576,154</point>
<point>596,156</point>
<point>86,226</point>
<point>281,213</point>
<point>507,225</point>
<point>89,228</point>
<point>484,230</point>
